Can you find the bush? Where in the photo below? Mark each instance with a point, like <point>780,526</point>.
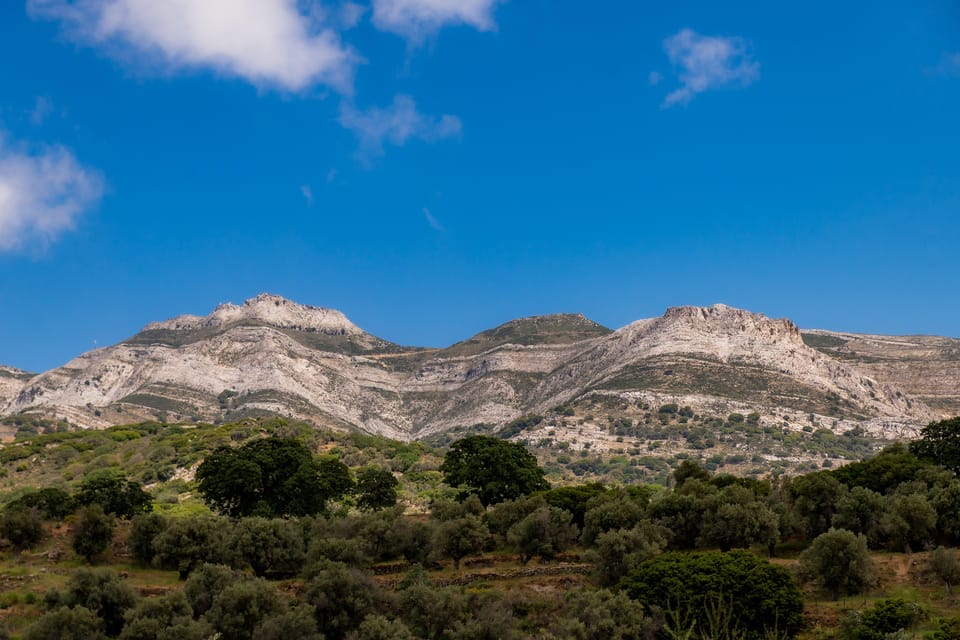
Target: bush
<point>241,606</point>
<point>887,617</point>
<point>78,623</point>
<point>377,488</point>
<point>270,546</point>
<point>765,596</point>
<point>101,591</point>
<point>21,526</point>
<point>93,532</point>
<point>143,532</point>
<point>187,543</point>
<point>342,597</point>
<point>114,493</point>
<point>52,503</point>
<point>545,533</point>
<point>839,561</point>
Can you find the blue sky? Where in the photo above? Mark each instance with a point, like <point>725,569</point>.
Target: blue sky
<point>436,167</point>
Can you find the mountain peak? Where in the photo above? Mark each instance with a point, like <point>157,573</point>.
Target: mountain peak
<point>264,309</point>
<point>721,318</point>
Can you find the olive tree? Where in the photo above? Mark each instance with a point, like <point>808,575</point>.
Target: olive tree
<point>839,561</point>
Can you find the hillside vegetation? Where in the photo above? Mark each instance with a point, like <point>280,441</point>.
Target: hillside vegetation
<point>862,551</point>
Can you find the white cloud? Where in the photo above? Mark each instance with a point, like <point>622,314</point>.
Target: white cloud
<point>654,78</point>
<point>269,43</point>
<point>42,195</point>
<point>42,108</point>
<point>350,13</point>
<point>432,220</point>
<point>418,19</point>
<point>307,194</point>
<point>331,175</point>
<point>396,124</point>
<point>707,62</point>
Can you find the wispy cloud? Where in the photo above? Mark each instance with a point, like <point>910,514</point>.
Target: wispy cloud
<point>432,220</point>
<point>269,43</point>
<point>419,19</point>
<point>350,14</point>
<point>949,64</point>
<point>42,109</point>
<point>307,192</point>
<point>707,62</point>
<point>396,124</point>
<point>42,194</point>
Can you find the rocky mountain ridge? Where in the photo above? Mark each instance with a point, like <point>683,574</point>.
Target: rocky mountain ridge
<point>273,356</point>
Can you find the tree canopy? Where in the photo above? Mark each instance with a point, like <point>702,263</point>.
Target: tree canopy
<point>940,443</point>
<point>271,477</point>
<point>494,470</point>
<point>688,586</point>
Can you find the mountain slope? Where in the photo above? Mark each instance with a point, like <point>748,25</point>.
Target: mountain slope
<point>11,381</point>
<point>274,356</point>
<point>926,367</point>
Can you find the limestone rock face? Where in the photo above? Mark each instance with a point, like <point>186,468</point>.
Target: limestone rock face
<point>273,356</point>
<point>11,381</point>
<point>925,367</point>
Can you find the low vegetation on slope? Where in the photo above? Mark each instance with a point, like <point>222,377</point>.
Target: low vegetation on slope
<point>610,559</point>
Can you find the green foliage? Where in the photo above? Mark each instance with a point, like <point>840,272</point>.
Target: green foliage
<point>517,426</point>
<point>885,618</point>
<point>944,563</point>
<point>735,518</point>
<point>493,469</point>
<point>839,561</point>
<point>544,533</point>
<point>377,627</point>
<point>612,510</point>
<point>51,502</point>
<point>377,488</point>
<point>143,531</point>
<point>101,591</point>
<point>574,499</point>
<point>764,596</point>
<point>619,552</point>
<point>602,615</point>
<point>689,469</point>
<point>859,510</point>
<point>460,537</point>
<point>166,617</point>
<point>881,473</point>
<point>815,497</point>
<point>273,547</point>
<point>271,477</point>
<point>296,623</point>
<point>92,532</point>
<point>21,526</point>
<point>205,584</point>
<point>114,493</point>
<point>187,543</point>
<point>77,623</point>
<point>342,597</point>
<point>908,521</point>
<point>240,606</point>
<point>939,443</point>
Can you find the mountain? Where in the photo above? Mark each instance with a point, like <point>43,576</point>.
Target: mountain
<point>273,356</point>
<point>11,381</point>
<point>925,367</point>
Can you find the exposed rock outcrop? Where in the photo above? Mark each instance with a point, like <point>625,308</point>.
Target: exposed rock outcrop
<point>271,355</point>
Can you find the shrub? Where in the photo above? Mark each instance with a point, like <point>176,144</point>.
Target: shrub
<point>93,532</point>
<point>764,595</point>
<point>21,526</point>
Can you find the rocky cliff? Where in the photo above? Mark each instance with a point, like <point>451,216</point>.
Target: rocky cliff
<point>273,356</point>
